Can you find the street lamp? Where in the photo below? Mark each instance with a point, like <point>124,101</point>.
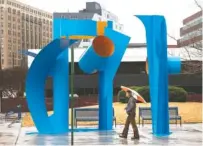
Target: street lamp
<point>1,73</point>
<point>72,92</point>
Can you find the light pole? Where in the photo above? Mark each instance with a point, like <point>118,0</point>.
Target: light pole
<point>72,93</point>
<point>1,73</point>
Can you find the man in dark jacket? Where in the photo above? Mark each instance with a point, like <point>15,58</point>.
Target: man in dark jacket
<point>131,111</point>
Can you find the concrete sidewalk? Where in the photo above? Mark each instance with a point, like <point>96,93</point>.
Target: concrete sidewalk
<point>9,136</point>
<point>190,134</point>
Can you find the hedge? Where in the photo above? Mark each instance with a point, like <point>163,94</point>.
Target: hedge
<point>176,94</point>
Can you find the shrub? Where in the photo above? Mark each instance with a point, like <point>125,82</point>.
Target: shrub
<point>122,97</point>
<point>176,94</point>
<point>144,92</point>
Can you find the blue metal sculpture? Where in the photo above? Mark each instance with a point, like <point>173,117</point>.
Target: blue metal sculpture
<point>104,57</point>
<point>158,68</point>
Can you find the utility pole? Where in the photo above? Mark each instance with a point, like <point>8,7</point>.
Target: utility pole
<point>72,93</point>
<point>13,59</point>
<point>1,72</point>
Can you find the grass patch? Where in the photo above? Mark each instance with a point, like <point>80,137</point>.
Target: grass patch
<point>191,112</point>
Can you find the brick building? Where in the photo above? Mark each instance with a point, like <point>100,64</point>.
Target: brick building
<point>22,27</point>
<point>191,32</point>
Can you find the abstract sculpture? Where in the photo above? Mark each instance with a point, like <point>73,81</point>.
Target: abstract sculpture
<point>103,57</point>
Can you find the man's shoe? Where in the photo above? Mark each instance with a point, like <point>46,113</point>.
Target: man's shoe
<point>122,136</point>
<point>135,138</point>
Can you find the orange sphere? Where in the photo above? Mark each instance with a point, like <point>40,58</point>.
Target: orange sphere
<point>103,46</point>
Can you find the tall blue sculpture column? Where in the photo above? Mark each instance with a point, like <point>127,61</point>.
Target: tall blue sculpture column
<point>107,67</point>
<point>158,68</point>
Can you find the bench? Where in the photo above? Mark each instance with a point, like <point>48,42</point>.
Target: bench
<point>145,114</point>
<point>88,114</point>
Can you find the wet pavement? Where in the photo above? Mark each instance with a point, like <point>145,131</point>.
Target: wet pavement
<point>9,136</point>
<point>190,134</point>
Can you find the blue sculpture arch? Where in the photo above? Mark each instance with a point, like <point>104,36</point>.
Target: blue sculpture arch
<point>35,85</point>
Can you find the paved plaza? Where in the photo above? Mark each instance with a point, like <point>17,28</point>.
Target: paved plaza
<point>9,136</point>
<point>190,134</point>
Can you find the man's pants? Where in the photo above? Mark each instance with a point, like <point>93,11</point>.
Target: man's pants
<point>130,120</point>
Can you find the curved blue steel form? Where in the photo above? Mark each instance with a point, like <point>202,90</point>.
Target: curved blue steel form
<point>35,84</point>
<point>28,53</point>
<point>159,68</point>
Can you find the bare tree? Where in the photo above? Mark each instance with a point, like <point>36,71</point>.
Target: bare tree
<point>13,82</point>
<point>191,57</point>
<point>191,50</point>
<point>199,5</point>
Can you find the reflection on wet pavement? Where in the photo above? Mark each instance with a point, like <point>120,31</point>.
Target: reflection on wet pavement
<point>186,135</point>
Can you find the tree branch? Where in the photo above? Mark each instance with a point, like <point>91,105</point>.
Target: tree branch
<point>196,2</point>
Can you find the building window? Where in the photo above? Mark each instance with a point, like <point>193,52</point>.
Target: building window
<point>9,17</point>
<point>23,16</point>
<point>9,10</point>
<point>9,32</point>
<point>2,9</point>
<point>9,25</point>
<point>27,17</point>
<point>31,19</point>
<point>18,13</point>
<point>35,20</point>
<point>14,11</point>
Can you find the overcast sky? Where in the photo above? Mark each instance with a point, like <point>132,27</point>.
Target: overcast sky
<point>173,10</point>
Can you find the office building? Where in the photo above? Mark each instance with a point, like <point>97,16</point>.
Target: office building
<point>191,32</point>
<point>22,27</point>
